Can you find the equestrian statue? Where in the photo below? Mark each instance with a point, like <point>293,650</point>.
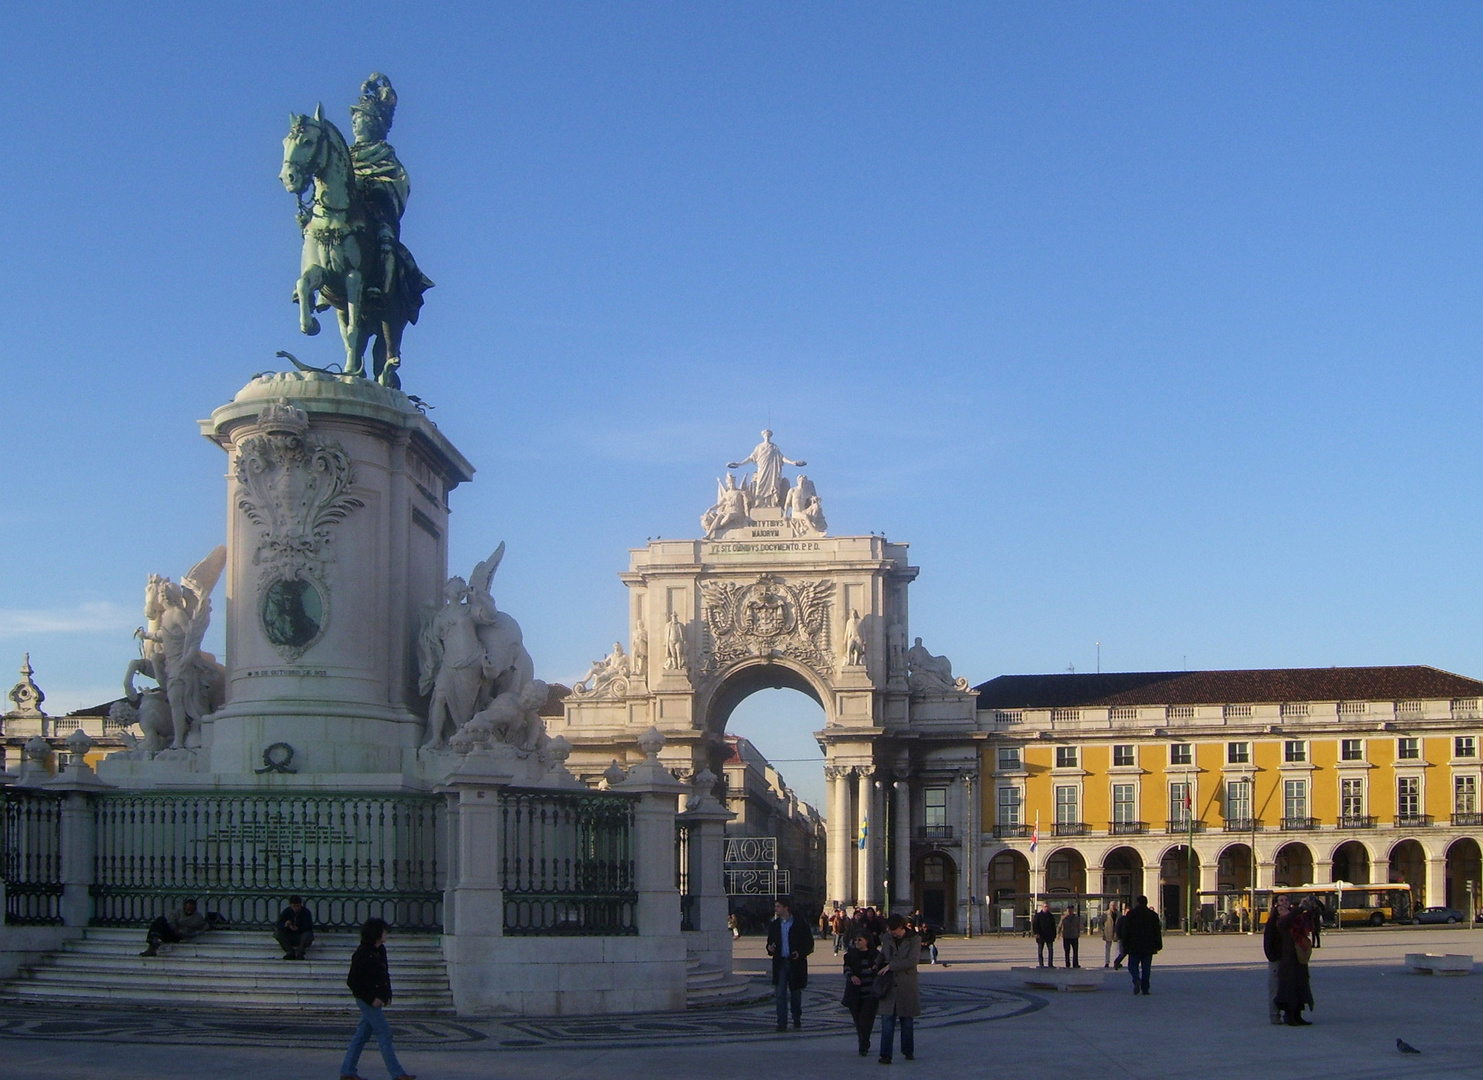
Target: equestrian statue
<point>351,200</point>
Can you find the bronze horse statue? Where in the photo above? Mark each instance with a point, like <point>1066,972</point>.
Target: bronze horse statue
<point>341,260</point>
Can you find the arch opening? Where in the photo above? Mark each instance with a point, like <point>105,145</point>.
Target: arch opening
<point>1351,863</point>
<point>1122,874</point>
<point>1179,879</point>
<point>760,744</point>
<point>1293,865</point>
<point>1408,864</point>
<point>1464,874</point>
<point>936,889</point>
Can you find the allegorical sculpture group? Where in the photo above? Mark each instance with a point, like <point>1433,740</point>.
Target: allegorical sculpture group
<point>796,507</point>
<point>351,200</point>
<point>473,663</point>
<point>190,683</point>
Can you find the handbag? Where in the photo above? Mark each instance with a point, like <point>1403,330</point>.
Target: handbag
<point>883,984</point>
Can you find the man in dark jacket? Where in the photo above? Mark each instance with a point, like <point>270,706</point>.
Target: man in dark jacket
<point>294,930</point>
<point>1272,947</point>
<point>1043,925</point>
<point>1142,937</point>
<point>789,942</point>
<point>370,981</point>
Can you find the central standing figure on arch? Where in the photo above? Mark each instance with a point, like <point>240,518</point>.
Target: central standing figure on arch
<point>767,487</point>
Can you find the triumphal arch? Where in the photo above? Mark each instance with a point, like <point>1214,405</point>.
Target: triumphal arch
<point>764,598</point>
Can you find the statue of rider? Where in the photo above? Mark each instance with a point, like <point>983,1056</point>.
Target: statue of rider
<point>380,176</point>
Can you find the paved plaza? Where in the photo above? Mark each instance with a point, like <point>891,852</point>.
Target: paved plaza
<point>1206,1017</point>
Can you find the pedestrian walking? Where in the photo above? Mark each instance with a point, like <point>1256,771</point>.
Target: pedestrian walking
<point>902,1002</point>
<point>1142,936</point>
<point>370,981</point>
<point>1043,925</point>
<point>789,943</point>
<point>1122,952</point>
<point>1272,949</point>
<point>1109,934</point>
<point>1071,936</point>
<point>1294,989</point>
<point>839,925</point>
<point>861,961</point>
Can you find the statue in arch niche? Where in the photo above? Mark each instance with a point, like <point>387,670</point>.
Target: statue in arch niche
<point>472,661</point>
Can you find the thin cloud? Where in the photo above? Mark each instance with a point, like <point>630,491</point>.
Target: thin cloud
<point>92,618</point>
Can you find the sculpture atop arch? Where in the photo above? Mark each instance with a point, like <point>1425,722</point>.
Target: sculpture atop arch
<point>765,499</point>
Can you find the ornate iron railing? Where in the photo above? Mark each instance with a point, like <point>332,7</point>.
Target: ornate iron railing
<point>351,856</point>
<point>682,876</point>
<point>567,863</point>
<point>31,863</point>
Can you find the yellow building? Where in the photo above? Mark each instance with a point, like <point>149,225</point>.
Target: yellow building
<point>1154,782</point>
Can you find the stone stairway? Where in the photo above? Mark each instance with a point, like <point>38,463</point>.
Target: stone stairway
<point>707,985</point>
<point>234,969</point>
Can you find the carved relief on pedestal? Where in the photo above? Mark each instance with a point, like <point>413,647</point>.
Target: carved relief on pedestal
<point>293,486</point>
<point>768,617</point>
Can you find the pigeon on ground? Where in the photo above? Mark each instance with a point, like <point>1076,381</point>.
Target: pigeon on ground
<point>1406,1048</point>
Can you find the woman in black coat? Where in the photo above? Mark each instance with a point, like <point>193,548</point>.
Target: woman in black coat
<point>1294,991</point>
<point>861,960</point>
<point>370,981</point>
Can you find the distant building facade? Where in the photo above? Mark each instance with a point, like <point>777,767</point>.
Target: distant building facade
<point>1160,783</point>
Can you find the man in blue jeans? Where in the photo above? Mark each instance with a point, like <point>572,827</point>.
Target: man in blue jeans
<point>789,942</point>
<point>1142,936</point>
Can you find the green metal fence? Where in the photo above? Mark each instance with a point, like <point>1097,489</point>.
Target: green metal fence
<point>352,856</point>
<point>567,866</point>
<point>31,862</point>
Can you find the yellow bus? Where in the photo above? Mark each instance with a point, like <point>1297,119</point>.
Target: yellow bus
<point>1355,905</point>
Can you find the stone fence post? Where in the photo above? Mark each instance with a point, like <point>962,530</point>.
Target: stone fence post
<point>706,819</point>
<point>79,839</point>
<point>658,911</point>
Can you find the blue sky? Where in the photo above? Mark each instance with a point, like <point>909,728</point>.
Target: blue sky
<point>1153,325</point>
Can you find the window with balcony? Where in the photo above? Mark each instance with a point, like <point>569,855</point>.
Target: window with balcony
<point>1295,804</point>
<point>1067,757</point>
<point>1009,758</point>
<point>1122,755</point>
<point>1181,753</point>
<point>1238,753</point>
<point>1408,749</point>
<point>1124,804</point>
<point>1294,751</point>
<point>934,807</point>
<point>1009,805</point>
<point>1465,746</point>
<point>1238,801</point>
<point>1068,804</point>
<point>1351,799</point>
<point>1351,750</point>
<point>1179,808</point>
<point>1465,795</point>
<point>1408,797</point>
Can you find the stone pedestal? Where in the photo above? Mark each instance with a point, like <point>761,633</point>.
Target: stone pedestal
<point>337,525</point>
<point>706,818</point>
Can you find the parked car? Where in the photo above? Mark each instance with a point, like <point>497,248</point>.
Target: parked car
<point>1441,915</point>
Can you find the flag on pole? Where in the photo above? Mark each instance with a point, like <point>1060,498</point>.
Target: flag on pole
<point>1189,801</point>
<point>1035,835</point>
<point>864,829</point>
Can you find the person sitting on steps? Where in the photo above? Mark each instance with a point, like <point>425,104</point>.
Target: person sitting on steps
<point>183,925</point>
<point>294,930</point>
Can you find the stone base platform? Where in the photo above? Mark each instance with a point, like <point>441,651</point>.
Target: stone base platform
<point>1439,963</point>
<point>1060,978</point>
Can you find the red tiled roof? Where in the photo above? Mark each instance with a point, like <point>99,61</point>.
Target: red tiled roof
<point>1224,687</point>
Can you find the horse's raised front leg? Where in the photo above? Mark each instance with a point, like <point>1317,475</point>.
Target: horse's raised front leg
<point>309,282</point>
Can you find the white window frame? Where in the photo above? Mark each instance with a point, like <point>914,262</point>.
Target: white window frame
<point>1298,747</point>
<point>1356,791</point>
<point>1015,806</point>
<point>1124,811</point>
<point>1073,807</point>
<point>1360,743</point>
<point>1189,753</point>
<point>1245,751</point>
